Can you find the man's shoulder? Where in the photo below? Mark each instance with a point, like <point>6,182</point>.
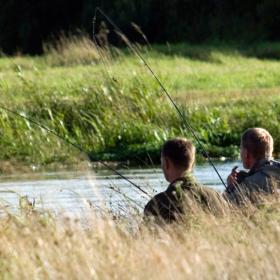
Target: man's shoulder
<point>271,169</point>
<point>264,176</point>
<point>181,186</point>
<point>191,188</point>
<point>165,205</point>
<point>172,196</point>
<point>158,197</point>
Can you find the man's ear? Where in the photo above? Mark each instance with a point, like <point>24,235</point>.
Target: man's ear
<point>248,156</point>
<point>167,163</point>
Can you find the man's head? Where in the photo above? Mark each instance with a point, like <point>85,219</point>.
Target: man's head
<point>177,157</point>
<point>256,144</point>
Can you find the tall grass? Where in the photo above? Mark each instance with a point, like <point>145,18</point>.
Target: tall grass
<point>116,111</point>
<point>237,246</point>
<point>71,51</point>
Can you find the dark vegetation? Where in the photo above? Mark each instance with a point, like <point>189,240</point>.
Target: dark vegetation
<point>25,25</point>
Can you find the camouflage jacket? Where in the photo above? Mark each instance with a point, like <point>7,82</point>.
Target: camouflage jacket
<point>263,178</point>
<point>184,192</point>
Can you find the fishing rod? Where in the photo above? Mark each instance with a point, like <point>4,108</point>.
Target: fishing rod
<point>78,147</point>
<point>139,55</point>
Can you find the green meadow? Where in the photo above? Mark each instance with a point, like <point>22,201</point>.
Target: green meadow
<point>110,105</point>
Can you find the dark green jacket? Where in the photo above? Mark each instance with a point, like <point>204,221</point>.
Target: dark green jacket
<point>184,192</point>
<point>262,179</point>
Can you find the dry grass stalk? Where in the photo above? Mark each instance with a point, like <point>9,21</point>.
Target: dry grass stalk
<point>70,51</point>
<point>238,245</point>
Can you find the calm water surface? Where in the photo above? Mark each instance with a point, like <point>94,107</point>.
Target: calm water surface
<point>76,193</point>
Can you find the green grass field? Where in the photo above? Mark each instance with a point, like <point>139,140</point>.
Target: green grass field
<point>115,110</point>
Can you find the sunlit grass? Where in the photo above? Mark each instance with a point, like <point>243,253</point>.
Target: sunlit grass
<point>237,245</point>
<point>117,111</point>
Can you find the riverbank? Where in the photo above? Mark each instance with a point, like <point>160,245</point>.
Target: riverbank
<point>116,111</point>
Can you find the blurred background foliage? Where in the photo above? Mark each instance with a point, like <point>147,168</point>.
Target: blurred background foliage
<point>26,24</point>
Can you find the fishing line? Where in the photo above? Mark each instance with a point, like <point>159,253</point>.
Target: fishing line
<point>88,154</point>
<point>139,55</point>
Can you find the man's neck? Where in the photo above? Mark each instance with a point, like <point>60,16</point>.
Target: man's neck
<point>258,163</point>
<point>177,175</point>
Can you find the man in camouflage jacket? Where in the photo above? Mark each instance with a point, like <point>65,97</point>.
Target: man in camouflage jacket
<point>184,193</point>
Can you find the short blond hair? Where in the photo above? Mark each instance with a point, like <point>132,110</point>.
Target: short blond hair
<point>258,142</point>
<point>180,151</point>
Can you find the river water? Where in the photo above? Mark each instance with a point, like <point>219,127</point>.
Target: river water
<point>74,194</point>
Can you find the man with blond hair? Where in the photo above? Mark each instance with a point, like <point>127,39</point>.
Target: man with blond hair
<point>183,193</point>
<point>263,177</point>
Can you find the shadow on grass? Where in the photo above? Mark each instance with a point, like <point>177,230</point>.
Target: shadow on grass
<point>193,52</point>
<point>205,51</point>
<point>270,51</point>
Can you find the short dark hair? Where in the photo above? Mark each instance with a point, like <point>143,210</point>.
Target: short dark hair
<point>258,142</point>
<point>180,151</point>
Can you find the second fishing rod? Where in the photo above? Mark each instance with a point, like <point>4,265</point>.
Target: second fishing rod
<point>186,123</point>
